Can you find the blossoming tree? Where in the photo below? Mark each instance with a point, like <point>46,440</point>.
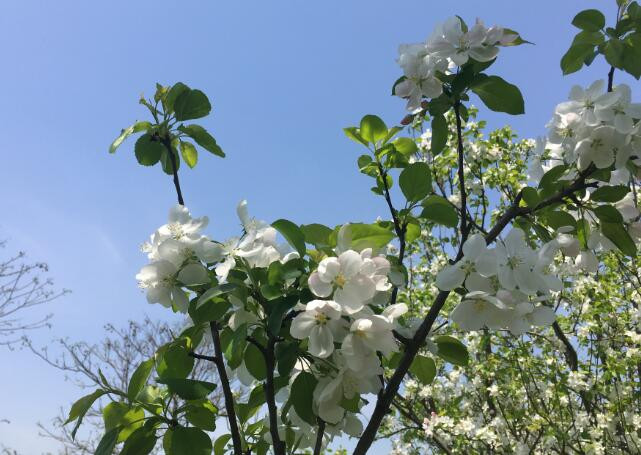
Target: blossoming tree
<point>329,330</point>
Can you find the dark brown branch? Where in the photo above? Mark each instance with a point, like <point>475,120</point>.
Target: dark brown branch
<point>203,357</point>
<point>174,167</point>
<point>270,397</point>
<point>318,447</point>
<point>570,353</point>
<point>229,397</point>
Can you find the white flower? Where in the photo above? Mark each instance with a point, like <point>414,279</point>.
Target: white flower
<point>181,225</point>
<point>450,41</point>
<point>599,148</point>
<point>477,310</point>
<point>342,276</point>
<point>160,280</point>
<point>622,112</point>
<point>420,70</point>
<point>526,315</point>
<point>585,102</point>
<point>320,322</point>
<point>516,263</point>
<point>367,336</point>
<point>329,392</point>
<point>477,264</point>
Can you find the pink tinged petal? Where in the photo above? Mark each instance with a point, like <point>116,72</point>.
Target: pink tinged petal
<point>321,341</point>
<point>328,269</point>
<point>319,287</point>
<point>302,325</point>
<point>474,246</point>
<point>450,277</point>
<point>350,263</point>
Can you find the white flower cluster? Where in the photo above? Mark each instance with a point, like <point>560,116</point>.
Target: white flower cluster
<point>598,128</point>
<point>594,127</point>
<point>353,280</point>
<point>505,285</point>
<point>450,45</point>
<point>179,255</point>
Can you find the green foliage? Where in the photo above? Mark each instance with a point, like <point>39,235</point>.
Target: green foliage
<point>498,95</point>
<point>415,181</point>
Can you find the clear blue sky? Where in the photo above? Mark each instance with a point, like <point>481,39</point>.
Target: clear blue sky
<point>284,77</point>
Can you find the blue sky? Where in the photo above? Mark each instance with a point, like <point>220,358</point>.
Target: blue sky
<point>284,79</point>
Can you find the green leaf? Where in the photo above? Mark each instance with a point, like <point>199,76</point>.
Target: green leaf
<point>316,234</point>
<point>189,153</point>
<point>80,408</point>
<point>608,214</point>
<point>440,132</point>
<point>373,129</point>
<point>452,350</point>
<point>108,442</point>
<point>574,59</point>
<point>190,441</point>
<point>202,415</point>
<point>191,104</point>
<point>202,138</point>
<point>499,95</point>
<point>301,396</point>
<point>617,233</point>
<point>176,90</point>
<point>368,236</point>
<point>412,232</point>
<point>124,134</point>
<point>175,362</point>
<point>609,193</point>
<point>255,362</point>
<point>424,369</point>
<point>416,181</point>
<point>355,135</point>
<point>613,51</point>
<point>139,378</point>
<point>188,389</point>
<point>236,348</point>
<point>557,219</point>
<point>405,146</point>
<point>632,55</point>
<point>286,356</point>
<point>292,234</point>
<point>277,311</point>
<point>165,161</point>
<point>148,151</point>
<point>589,19</point>
<point>141,442</point>
<point>438,210</point>
<point>221,442</point>
<point>530,196</point>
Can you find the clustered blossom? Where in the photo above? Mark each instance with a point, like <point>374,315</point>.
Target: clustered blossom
<point>449,46</point>
<point>594,129</point>
<point>347,326</point>
<point>180,255</point>
<point>352,282</point>
<point>505,284</point>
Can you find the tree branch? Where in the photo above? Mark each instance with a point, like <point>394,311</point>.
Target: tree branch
<point>174,166</point>
<point>229,397</point>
